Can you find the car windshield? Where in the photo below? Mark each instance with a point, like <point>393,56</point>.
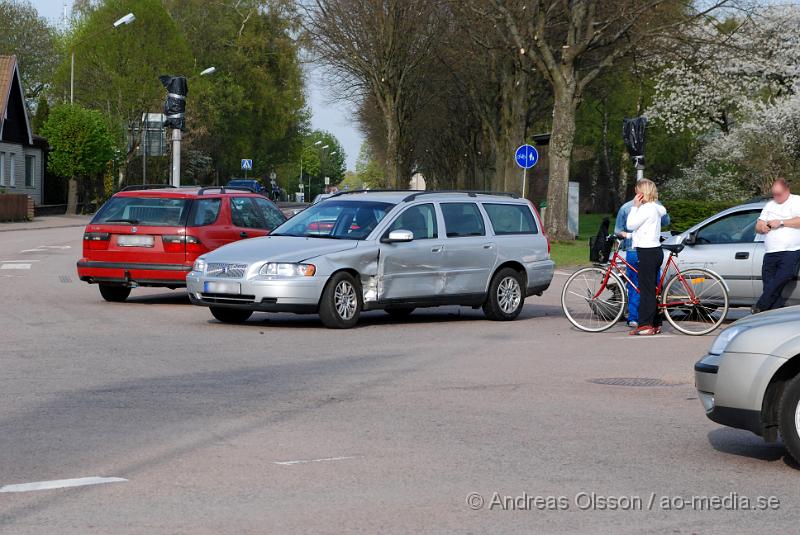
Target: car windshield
<point>336,219</point>
<point>145,211</point>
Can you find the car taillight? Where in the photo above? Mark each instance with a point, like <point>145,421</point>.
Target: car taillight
<point>541,225</point>
<point>194,245</point>
<point>96,241</point>
<point>173,243</point>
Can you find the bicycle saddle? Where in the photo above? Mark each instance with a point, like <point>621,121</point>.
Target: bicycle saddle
<point>673,247</point>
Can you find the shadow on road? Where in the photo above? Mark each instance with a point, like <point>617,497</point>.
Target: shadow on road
<point>175,297</point>
<point>745,444</point>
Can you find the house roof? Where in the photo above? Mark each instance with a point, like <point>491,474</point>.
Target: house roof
<point>9,72</point>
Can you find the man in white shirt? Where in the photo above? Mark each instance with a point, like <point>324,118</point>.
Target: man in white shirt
<point>780,223</point>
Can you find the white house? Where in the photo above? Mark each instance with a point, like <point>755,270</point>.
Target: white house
<point>21,153</point>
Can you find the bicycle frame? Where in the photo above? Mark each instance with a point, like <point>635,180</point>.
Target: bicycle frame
<point>616,262</point>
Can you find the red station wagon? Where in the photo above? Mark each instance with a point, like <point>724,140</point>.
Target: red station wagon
<point>151,236</point>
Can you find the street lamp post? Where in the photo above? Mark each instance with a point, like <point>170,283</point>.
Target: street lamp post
<point>302,153</point>
<point>127,19</point>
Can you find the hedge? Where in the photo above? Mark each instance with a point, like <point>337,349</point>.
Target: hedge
<point>685,214</point>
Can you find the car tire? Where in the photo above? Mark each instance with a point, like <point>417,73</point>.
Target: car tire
<point>341,302</point>
<point>114,293</point>
<point>789,417</point>
<point>230,315</point>
<point>399,312</point>
<point>506,296</point>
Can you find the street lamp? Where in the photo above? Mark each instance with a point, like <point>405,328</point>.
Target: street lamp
<point>127,19</point>
<point>176,142</point>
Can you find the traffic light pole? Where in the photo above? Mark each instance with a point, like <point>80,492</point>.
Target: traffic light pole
<point>176,157</point>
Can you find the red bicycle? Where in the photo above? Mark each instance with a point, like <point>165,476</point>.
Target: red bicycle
<point>694,301</point>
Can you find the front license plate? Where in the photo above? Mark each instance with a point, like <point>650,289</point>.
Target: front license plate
<point>214,287</point>
<point>135,241</point>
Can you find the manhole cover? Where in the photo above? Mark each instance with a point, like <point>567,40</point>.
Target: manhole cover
<point>65,278</point>
<point>631,381</point>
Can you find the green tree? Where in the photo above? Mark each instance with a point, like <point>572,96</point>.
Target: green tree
<point>33,40</point>
<point>369,172</point>
<point>82,145</point>
<point>41,115</point>
<point>254,105</point>
<point>117,69</point>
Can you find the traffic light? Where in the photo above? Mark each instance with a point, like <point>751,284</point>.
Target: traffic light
<point>175,105</point>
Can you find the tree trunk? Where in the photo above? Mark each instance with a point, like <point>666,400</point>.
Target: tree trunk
<point>72,196</point>
<point>392,152</point>
<point>560,152</point>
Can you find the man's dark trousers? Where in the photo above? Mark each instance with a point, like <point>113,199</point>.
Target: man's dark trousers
<point>777,270</point>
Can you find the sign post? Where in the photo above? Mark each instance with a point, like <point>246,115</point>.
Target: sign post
<point>246,166</point>
<point>526,157</point>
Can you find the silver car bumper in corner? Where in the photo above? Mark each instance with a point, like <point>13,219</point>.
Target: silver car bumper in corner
<point>731,387</point>
<point>300,295</point>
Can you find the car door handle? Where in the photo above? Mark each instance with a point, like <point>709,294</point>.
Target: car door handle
<point>243,234</point>
<point>488,246</point>
<point>742,255</point>
<point>437,249</point>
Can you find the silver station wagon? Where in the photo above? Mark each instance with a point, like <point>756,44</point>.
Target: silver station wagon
<point>385,250</point>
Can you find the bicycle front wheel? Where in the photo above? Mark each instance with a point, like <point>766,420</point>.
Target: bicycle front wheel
<point>695,301</point>
<point>590,302</point>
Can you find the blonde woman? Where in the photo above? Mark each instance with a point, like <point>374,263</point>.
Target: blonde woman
<point>644,220</point>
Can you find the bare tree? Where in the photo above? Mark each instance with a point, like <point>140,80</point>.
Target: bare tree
<point>571,43</point>
<point>376,49</point>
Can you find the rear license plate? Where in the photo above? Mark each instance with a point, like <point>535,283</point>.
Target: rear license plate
<point>135,241</point>
<point>214,287</point>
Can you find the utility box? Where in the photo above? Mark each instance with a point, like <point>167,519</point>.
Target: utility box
<point>574,208</point>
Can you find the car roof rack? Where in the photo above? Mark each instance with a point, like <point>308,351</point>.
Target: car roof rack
<point>351,191</point>
<point>470,193</point>
<point>137,187</point>
<point>223,189</point>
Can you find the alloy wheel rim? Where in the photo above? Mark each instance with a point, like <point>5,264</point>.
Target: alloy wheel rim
<point>797,418</point>
<point>509,295</point>
<point>345,300</point>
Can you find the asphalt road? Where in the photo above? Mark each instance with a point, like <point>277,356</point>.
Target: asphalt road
<point>282,426</point>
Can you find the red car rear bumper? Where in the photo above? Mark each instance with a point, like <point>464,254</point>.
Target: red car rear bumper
<point>142,274</point>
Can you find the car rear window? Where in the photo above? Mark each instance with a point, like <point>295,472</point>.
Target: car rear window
<point>511,219</point>
<point>146,211</point>
<point>204,212</point>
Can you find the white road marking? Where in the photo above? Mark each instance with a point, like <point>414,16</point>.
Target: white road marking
<point>17,261</point>
<point>61,484</point>
<point>304,461</point>
<point>15,265</point>
<point>562,273</point>
<point>55,247</point>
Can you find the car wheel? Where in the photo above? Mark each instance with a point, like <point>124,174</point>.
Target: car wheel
<point>789,417</point>
<point>506,296</point>
<point>230,315</point>
<point>399,312</point>
<point>114,293</point>
<point>340,305</point>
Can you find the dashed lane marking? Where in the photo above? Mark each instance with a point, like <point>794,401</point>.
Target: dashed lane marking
<point>15,265</point>
<point>304,461</point>
<point>61,484</point>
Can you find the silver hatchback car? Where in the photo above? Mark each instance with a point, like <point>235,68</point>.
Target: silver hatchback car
<point>750,378</point>
<point>389,250</point>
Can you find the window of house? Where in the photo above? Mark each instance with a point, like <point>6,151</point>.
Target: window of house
<point>13,174</point>
<point>30,162</point>
<point>2,168</point>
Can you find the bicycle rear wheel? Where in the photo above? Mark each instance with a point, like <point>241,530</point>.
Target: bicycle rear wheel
<point>588,304</point>
<point>695,301</point>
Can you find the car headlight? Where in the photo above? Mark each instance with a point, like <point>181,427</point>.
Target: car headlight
<point>724,338</point>
<point>199,265</point>
<point>274,269</point>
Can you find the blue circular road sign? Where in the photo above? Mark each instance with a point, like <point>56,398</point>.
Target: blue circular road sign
<point>526,156</point>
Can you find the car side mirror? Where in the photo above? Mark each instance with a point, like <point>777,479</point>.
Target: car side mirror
<point>691,238</point>
<point>399,236</point>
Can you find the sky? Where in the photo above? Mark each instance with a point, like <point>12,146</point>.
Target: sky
<point>326,113</point>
